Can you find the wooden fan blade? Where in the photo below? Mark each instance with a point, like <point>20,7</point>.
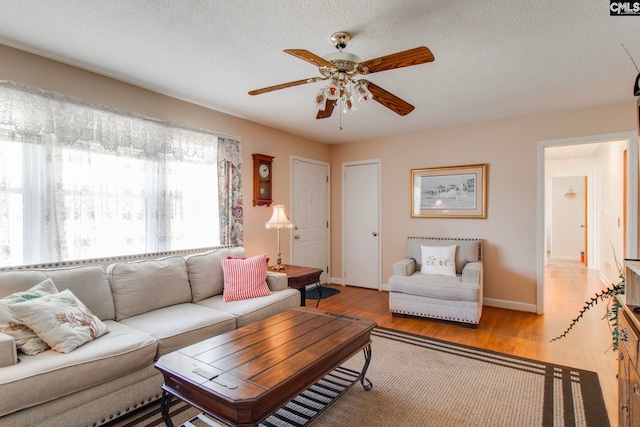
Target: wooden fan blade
<point>305,55</point>
<point>407,58</point>
<point>389,100</point>
<point>284,85</point>
<point>328,109</point>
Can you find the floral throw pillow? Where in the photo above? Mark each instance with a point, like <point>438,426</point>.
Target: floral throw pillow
<point>245,278</point>
<point>26,340</point>
<point>61,320</point>
<point>440,260</point>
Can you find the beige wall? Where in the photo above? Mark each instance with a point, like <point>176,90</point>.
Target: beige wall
<point>509,148</point>
<point>19,66</point>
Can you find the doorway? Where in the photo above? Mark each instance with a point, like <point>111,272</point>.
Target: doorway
<point>609,222</point>
<point>361,224</point>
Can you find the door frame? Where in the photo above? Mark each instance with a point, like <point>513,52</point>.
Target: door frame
<point>378,163</point>
<point>631,199</point>
<point>292,159</point>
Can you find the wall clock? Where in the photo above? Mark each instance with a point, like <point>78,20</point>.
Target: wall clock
<point>262,194</point>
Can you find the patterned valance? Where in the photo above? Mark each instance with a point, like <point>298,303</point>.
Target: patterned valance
<point>28,114</point>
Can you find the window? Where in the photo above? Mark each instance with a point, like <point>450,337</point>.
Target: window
<point>78,181</point>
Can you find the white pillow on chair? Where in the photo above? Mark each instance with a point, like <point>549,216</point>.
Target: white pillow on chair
<point>439,260</point>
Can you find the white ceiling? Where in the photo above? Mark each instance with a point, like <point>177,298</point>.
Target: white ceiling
<point>494,59</point>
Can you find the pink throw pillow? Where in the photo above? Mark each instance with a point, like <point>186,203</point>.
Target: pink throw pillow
<point>245,278</point>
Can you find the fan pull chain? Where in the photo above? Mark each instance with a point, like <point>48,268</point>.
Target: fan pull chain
<point>340,112</point>
<point>634,62</point>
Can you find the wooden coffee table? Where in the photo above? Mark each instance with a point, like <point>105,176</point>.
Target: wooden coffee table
<point>243,376</point>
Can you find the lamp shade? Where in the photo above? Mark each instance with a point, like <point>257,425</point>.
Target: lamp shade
<point>279,219</point>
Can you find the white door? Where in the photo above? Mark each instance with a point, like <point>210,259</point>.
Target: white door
<point>567,217</point>
<point>361,204</point>
<point>310,186</point>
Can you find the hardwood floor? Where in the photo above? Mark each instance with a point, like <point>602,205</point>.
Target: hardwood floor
<point>568,286</point>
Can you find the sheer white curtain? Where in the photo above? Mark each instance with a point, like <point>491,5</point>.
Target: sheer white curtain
<point>81,181</point>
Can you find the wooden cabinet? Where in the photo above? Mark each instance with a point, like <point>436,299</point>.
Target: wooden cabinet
<point>628,378</point>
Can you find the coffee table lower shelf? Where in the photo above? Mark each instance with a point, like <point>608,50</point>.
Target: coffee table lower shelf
<point>242,377</point>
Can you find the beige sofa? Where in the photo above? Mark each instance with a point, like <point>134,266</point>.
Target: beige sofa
<point>457,297</point>
<point>151,307</point>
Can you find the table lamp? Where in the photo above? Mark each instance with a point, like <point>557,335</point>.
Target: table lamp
<point>278,221</point>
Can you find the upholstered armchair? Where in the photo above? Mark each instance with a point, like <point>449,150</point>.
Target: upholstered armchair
<point>439,278</point>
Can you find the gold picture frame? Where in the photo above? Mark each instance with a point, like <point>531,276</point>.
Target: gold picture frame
<point>449,192</point>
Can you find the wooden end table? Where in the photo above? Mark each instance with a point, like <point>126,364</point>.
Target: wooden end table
<point>300,277</point>
<point>243,376</point>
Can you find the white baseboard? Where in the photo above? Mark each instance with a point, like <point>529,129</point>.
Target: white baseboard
<point>511,305</point>
<point>565,258</point>
<point>336,281</point>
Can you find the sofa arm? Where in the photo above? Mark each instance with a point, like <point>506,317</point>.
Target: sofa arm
<point>8,351</point>
<point>277,281</point>
<point>472,272</point>
<point>404,267</point>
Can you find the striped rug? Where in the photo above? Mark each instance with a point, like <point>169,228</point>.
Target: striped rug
<point>419,381</point>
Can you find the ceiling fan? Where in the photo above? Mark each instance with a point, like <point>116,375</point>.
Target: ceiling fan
<point>342,70</point>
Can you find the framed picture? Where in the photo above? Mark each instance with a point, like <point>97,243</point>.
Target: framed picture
<point>449,192</point>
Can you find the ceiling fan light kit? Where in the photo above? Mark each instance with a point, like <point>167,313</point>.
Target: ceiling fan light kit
<point>341,70</point>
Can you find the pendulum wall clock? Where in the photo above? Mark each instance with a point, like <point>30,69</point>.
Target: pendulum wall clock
<point>262,181</point>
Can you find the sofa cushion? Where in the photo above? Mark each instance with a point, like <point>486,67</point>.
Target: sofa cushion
<point>245,278</point>
<point>439,260</point>
<point>179,325</point>
<point>25,338</point>
<point>277,281</point>
<point>252,310</point>
<point>50,375</point>
<point>88,283</point>
<point>8,350</point>
<point>60,320</point>
<point>19,281</point>
<point>205,271</point>
<point>142,286</point>
<point>441,287</point>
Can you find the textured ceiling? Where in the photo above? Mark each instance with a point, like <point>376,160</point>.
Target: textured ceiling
<point>494,59</point>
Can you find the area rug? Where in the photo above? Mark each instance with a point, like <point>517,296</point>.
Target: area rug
<point>326,292</point>
<point>419,381</point>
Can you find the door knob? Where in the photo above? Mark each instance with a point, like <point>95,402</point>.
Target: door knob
<point>374,234</point>
<point>297,237</point>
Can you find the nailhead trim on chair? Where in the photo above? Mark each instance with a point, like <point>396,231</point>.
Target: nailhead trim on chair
<point>410,313</point>
<point>478,241</point>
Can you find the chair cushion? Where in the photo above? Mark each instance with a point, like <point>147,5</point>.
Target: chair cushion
<point>439,260</point>
<point>466,251</point>
<point>442,287</point>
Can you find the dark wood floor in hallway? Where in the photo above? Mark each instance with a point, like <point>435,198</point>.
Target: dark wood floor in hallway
<point>568,286</point>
